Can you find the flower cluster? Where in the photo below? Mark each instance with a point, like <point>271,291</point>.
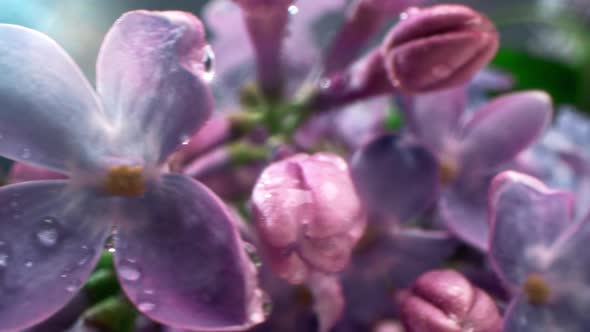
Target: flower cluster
<point>318,165</point>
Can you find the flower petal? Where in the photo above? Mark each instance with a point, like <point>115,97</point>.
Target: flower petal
<point>463,208</point>
<point>395,178</point>
<point>503,128</point>
<point>180,260</point>
<point>50,115</point>
<point>50,239</point>
<point>563,315</point>
<point>152,74</point>
<point>526,218</point>
<point>21,172</point>
<point>434,116</point>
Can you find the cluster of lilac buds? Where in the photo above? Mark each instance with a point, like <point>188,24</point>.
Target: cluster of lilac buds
<point>253,181</point>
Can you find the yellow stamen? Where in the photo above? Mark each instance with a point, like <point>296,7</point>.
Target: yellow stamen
<point>125,181</point>
<point>536,289</point>
<point>448,171</point>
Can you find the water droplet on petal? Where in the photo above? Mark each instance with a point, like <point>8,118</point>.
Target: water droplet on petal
<point>129,273</point>
<point>48,234</point>
<point>3,260</point>
<point>146,306</point>
<point>29,264</point>
<point>109,244</point>
<point>208,64</point>
<point>253,254</point>
<point>26,154</point>
<point>293,10</point>
<point>73,286</point>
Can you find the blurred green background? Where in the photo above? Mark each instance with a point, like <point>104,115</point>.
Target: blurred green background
<point>545,43</point>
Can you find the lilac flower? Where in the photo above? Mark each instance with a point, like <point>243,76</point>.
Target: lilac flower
<point>307,215</point>
<point>438,47</point>
<point>308,219</point>
<point>177,245</point>
<point>538,249</point>
<point>386,259</point>
<point>444,301</point>
<point>450,152</point>
<point>561,159</point>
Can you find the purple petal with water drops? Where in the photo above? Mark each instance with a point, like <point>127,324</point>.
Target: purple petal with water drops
<point>152,73</point>
<point>50,115</point>
<point>180,259</point>
<point>21,172</point>
<point>526,219</point>
<point>463,208</point>
<point>394,177</point>
<point>434,117</point>
<point>503,128</point>
<point>50,239</point>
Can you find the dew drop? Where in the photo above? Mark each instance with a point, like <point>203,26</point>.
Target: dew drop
<point>129,273</point>
<point>48,234</point>
<point>29,264</point>
<point>325,83</point>
<point>293,10</point>
<point>109,244</point>
<point>26,154</point>
<point>73,286</point>
<point>185,139</point>
<point>3,260</point>
<point>208,63</point>
<point>253,254</point>
<point>149,292</point>
<point>441,71</point>
<point>146,306</point>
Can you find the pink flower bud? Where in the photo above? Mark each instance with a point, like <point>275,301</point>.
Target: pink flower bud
<point>308,215</point>
<point>438,47</point>
<point>445,301</point>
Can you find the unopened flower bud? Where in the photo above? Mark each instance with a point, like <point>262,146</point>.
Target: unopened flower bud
<point>438,47</point>
<point>266,21</point>
<point>445,301</point>
<point>308,215</point>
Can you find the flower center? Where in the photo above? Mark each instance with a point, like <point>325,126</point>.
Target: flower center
<point>125,181</point>
<point>448,170</point>
<point>536,289</point>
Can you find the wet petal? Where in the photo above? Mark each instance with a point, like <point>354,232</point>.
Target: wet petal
<point>503,128</point>
<point>50,115</point>
<point>434,116</point>
<point>152,74</point>
<point>463,208</point>
<point>21,172</point>
<point>562,315</point>
<point>395,178</point>
<point>526,218</point>
<point>181,261</point>
<point>50,240</point>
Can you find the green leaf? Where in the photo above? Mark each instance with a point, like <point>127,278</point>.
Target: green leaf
<point>562,81</point>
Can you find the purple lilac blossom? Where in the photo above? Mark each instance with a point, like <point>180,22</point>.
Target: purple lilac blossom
<point>444,301</point>
<point>308,219</point>
<point>538,249</point>
<point>308,215</point>
<point>468,150</point>
<point>111,144</point>
<point>438,47</point>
